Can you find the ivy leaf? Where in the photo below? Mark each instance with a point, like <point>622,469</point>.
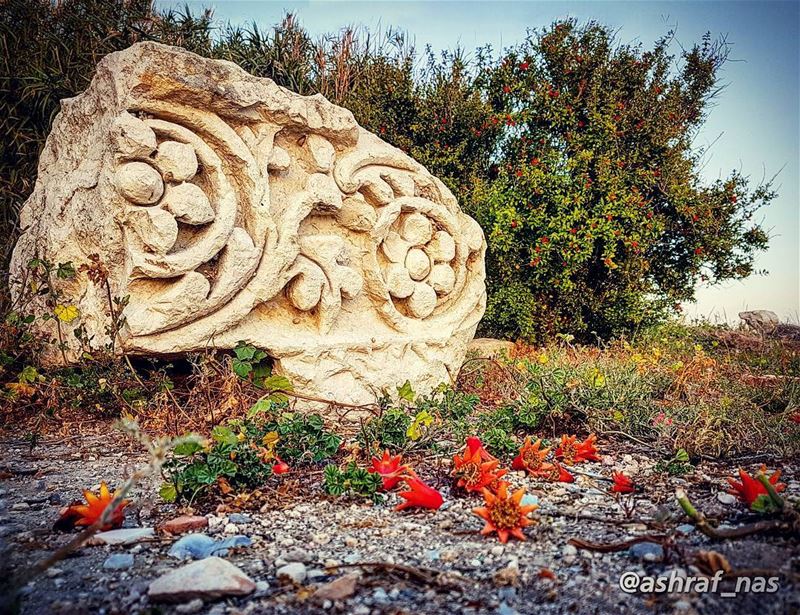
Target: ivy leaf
<point>261,406</point>
<point>184,449</point>
<point>406,392</point>
<point>244,352</point>
<point>421,420</point>
<point>65,271</point>
<point>682,456</point>
<point>277,382</point>
<point>242,368</point>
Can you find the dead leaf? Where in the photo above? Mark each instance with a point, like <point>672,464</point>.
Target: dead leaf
<point>711,562</point>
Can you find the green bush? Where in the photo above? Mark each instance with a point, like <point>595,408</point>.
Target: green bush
<point>353,482</point>
<point>573,152</point>
<point>598,221</point>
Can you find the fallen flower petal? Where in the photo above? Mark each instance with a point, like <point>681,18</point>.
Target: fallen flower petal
<point>281,467</point>
<point>504,514</point>
<point>749,489</point>
<point>389,468</point>
<point>474,444</point>
<point>622,484</point>
<point>89,513</point>
<point>473,473</point>
<point>419,495</point>
<point>555,473</point>
<point>571,451</point>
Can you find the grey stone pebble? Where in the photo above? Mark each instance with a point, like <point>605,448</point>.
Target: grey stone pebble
<point>118,561</point>
<point>296,571</point>
<point>647,551</point>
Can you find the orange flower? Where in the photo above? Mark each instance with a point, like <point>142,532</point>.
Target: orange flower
<point>472,472</point>
<point>389,468</point>
<point>555,473</point>
<point>622,484</point>
<point>571,451</point>
<point>750,488</point>
<point>419,495</point>
<point>530,457</point>
<point>87,514</point>
<point>504,514</point>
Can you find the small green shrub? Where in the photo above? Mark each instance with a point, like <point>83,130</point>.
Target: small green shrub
<point>389,430</point>
<point>244,450</point>
<point>352,481</point>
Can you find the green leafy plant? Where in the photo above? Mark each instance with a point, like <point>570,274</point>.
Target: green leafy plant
<point>250,363</point>
<point>352,481</point>
<point>677,465</point>
<point>243,451</point>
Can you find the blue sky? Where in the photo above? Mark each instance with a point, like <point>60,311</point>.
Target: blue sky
<point>755,126</point>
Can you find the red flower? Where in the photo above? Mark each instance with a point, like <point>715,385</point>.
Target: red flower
<point>504,514</point>
<point>749,489</point>
<point>570,451</point>
<point>473,472</point>
<point>506,89</point>
<point>524,66</point>
<point>281,467</point>
<point>389,468</point>
<point>622,484</point>
<point>474,444</point>
<point>419,495</point>
<point>555,473</point>
<point>534,162</point>
<point>530,457</point>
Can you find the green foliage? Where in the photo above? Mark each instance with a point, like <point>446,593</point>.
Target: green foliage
<point>250,362</point>
<point>352,481</point>
<point>389,430</point>
<point>598,222</point>
<point>303,438</point>
<point>575,153</point>
<point>677,465</point>
<point>499,442</point>
<point>244,450</point>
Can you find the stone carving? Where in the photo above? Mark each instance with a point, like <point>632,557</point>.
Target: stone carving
<point>229,209</point>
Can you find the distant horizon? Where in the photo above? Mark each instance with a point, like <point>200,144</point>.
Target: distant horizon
<point>754,126</point>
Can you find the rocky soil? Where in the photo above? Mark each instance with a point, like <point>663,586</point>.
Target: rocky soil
<point>302,551</point>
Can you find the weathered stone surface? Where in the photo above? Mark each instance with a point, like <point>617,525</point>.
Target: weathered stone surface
<point>213,577</point>
<point>123,536</point>
<point>230,209</point>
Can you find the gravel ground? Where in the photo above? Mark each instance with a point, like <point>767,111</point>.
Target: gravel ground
<point>453,569</point>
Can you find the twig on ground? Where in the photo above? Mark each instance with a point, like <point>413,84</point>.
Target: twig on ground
<point>610,547</point>
<point>702,524</point>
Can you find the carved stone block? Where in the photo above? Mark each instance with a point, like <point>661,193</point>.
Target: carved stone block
<point>228,208</point>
